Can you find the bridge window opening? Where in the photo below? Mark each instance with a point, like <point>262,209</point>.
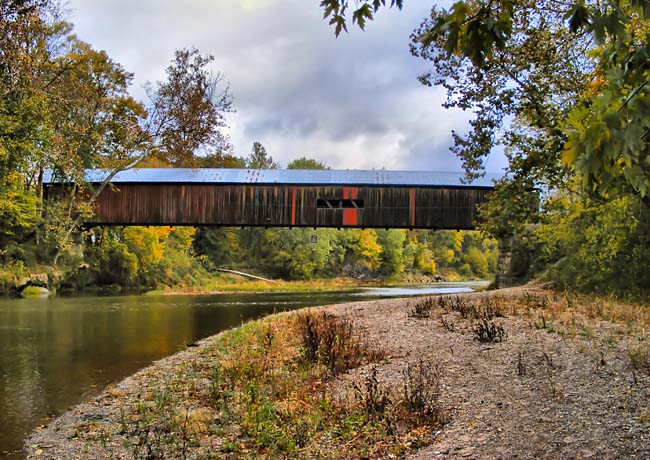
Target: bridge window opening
<point>333,203</point>
<point>320,203</point>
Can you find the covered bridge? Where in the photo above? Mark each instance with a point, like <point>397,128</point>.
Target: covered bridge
<point>287,198</point>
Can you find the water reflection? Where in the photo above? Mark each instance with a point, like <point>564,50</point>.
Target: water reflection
<point>57,352</point>
<point>439,288</point>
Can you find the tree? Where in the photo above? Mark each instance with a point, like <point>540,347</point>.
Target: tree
<point>220,159</point>
<point>509,94</point>
<point>18,212</point>
<point>365,248</point>
<point>188,109</point>
<point>300,253</point>
<point>598,245</point>
<point>65,107</point>
<point>605,138</point>
<point>392,243</point>
<point>95,123</point>
<point>260,159</point>
<point>221,246</point>
<point>476,262</point>
<point>306,163</point>
<point>609,130</point>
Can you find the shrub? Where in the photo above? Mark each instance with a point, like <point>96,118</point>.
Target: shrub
<point>374,400</point>
<point>487,331</point>
<point>422,309</point>
<point>640,358</point>
<point>333,342</point>
<point>421,391</point>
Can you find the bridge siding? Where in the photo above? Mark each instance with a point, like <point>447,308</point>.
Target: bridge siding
<point>279,205</point>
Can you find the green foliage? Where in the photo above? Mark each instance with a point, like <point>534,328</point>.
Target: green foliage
<point>303,253</point>
<point>299,253</point>
<point>65,107</point>
<point>260,159</point>
<point>477,262</point>
<point>507,88</point>
<point>336,10</point>
<point>600,246</point>
<point>306,163</point>
<point>142,257</point>
<point>367,247</point>
<point>117,265</point>
<point>472,29</point>
<point>608,130</point>
<point>506,31</point>
<point>221,246</point>
<point>220,159</point>
<point>18,210</point>
<point>392,242</point>
<point>564,89</point>
<point>10,273</point>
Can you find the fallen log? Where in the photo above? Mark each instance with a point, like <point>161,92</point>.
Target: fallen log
<point>245,274</point>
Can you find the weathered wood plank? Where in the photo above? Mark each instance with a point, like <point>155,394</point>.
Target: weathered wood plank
<point>271,205</point>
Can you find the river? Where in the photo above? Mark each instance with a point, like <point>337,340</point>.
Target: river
<point>56,352</point>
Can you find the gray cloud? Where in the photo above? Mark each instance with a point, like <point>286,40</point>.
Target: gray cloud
<point>351,102</point>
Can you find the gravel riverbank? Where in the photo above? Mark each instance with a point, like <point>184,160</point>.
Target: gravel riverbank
<point>568,377</point>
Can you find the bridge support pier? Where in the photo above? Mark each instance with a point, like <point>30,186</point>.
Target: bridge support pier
<point>505,277</point>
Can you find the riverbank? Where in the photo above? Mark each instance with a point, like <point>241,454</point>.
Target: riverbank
<point>232,284</point>
<point>555,376</point>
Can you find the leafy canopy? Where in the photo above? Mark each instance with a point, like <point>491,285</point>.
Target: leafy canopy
<point>605,59</point>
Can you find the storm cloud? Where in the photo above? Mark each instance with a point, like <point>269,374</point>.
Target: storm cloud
<point>351,102</point>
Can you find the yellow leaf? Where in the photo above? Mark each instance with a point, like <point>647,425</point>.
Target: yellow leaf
<point>569,154</point>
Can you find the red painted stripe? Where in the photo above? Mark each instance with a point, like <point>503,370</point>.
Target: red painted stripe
<point>412,206</point>
<point>350,216</point>
<point>293,205</point>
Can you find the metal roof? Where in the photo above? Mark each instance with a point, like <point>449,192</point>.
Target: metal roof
<point>288,177</point>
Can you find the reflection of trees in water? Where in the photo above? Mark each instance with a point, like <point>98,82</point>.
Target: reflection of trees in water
<point>55,352</point>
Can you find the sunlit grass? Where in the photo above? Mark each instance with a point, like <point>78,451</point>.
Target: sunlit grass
<point>254,393</point>
<point>238,284</point>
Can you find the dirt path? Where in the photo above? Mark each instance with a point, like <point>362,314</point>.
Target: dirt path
<point>562,385</point>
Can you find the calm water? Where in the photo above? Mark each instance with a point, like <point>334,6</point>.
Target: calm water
<point>56,352</point>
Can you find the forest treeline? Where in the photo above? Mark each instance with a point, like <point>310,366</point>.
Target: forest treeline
<point>137,257</point>
<point>65,107</point>
<point>559,87</point>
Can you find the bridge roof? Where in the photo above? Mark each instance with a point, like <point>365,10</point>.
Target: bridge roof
<point>290,177</point>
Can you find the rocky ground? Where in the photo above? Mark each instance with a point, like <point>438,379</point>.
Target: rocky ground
<point>567,378</point>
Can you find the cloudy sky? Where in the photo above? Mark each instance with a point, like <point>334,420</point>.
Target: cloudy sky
<point>351,102</point>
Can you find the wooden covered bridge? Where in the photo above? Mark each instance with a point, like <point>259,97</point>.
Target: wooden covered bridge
<point>287,198</point>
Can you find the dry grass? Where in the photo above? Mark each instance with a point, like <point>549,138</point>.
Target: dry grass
<point>574,372</point>
<point>334,342</point>
<point>254,394</point>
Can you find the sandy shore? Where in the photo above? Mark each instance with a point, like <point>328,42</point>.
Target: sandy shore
<point>561,384</point>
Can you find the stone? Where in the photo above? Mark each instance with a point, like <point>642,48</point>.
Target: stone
<point>35,291</point>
